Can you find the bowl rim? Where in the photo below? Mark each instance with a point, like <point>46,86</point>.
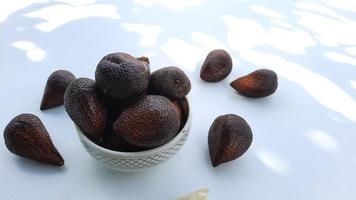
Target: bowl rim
<point>144,153</point>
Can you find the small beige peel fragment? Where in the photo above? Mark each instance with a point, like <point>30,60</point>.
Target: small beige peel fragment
<point>201,194</point>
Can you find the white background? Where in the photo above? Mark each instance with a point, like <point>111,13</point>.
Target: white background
<point>304,136</point>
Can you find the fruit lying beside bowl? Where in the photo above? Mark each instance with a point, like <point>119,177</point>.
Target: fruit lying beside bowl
<point>127,118</point>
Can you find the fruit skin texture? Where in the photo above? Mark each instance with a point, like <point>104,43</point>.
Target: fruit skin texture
<point>123,77</point>
<point>150,122</point>
<point>85,107</point>
<point>113,107</point>
<point>177,105</point>
<point>183,110</point>
<point>56,86</point>
<point>144,59</point>
<point>170,82</point>
<point>230,136</point>
<point>26,136</point>
<point>260,83</point>
<point>113,141</point>
<point>217,66</point>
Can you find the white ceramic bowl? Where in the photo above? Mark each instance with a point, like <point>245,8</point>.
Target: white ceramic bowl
<point>137,161</point>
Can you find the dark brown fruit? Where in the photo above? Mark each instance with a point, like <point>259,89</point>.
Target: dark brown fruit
<point>85,107</point>
<point>260,83</point>
<point>183,110</point>
<point>113,141</point>
<point>114,107</point>
<point>217,66</point>
<point>177,105</point>
<point>56,86</point>
<point>170,82</point>
<point>229,137</point>
<point>150,122</point>
<point>27,137</point>
<point>144,59</point>
<point>123,77</point>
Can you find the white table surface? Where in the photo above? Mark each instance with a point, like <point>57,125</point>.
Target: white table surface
<point>304,143</point>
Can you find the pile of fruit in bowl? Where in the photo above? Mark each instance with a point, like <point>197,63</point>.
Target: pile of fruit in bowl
<point>128,117</point>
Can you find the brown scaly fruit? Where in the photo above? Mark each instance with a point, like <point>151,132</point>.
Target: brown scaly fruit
<point>123,77</point>
<point>113,107</point>
<point>183,110</point>
<point>144,59</point>
<point>27,137</point>
<point>56,86</point>
<point>260,83</point>
<point>217,66</point>
<point>170,82</point>
<point>229,138</point>
<point>177,105</point>
<point>84,106</point>
<point>113,141</point>
<point>150,122</point>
